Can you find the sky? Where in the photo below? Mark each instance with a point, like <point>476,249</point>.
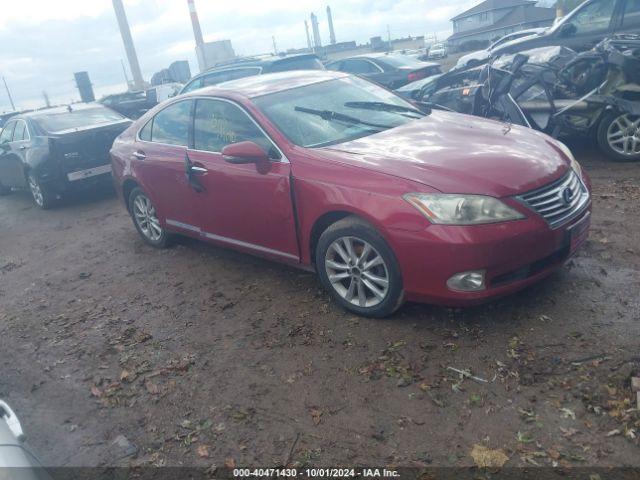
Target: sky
<point>42,42</point>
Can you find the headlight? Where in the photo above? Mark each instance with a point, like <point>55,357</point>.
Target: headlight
<point>454,209</point>
<point>575,166</point>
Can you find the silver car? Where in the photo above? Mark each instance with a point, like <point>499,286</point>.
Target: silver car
<point>16,461</point>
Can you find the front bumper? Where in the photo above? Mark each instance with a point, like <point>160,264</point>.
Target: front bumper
<point>512,254</point>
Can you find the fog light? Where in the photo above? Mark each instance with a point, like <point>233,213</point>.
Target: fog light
<point>467,281</point>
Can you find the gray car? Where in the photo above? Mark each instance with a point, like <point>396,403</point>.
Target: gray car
<point>583,28</point>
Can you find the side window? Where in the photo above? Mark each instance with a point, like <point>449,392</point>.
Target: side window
<point>358,66</point>
<point>145,133</point>
<point>595,17</point>
<point>7,132</point>
<point>219,123</point>
<point>632,14</point>
<point>171,125</point>
<point>19,132</point>
<point>197,83</point>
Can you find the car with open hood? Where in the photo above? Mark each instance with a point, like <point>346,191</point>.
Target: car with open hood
<point>330,172</point>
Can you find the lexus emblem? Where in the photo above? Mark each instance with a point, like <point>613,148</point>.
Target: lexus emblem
<point>567,196</point>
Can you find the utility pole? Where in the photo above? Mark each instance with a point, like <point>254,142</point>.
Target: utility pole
<point>124,70</point>
<point>130,49</point>
<point>9,94</point>
<point>389,37</point>
<point>306,27</point>
<point>275,48</point>
<point>46,99</point>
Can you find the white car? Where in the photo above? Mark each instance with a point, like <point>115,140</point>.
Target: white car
<point>439,50</point>
<point>481,56</point>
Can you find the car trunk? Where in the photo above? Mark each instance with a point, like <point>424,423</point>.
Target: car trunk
<point>414,74</point>
<point>87,148</point>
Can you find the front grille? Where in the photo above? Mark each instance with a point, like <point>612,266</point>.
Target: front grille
<point>554,202</point>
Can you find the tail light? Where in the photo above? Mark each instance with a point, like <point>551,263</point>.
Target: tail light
<point>413,76</point>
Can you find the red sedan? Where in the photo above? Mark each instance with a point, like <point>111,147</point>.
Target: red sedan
<point>330,172</point>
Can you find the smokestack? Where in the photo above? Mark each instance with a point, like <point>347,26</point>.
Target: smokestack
<point>138,82</point>
<point>306,27</point>
<point>332,33</point>
<point>197,31</point>
<point>317,43</point>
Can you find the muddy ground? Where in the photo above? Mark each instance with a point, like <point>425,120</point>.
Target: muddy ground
<point>115,353</point>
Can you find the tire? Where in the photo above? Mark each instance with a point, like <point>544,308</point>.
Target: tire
<point>619,136</point>
<point>348,282</point>
<point>41,194</point>
<point>146,220</point>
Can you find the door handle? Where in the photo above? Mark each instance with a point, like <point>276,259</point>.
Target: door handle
<point>197,170</point>
<point>139,155</point>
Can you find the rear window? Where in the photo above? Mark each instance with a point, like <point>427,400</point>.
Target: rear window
<point>77,119</point>
<point>297,63</point>
<point>399,61</point>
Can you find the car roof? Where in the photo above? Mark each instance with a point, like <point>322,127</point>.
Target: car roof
<point>382,56</point>
<point>258,85</point>
<point>254,61</point>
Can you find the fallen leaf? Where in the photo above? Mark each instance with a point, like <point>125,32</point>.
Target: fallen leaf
<point>124,376</point>
<point>230,463</point>
<point>96,392</point>
<point>485,457</point>
<point>315,415</point>
<point>152,388</point>
<point>203,451</point>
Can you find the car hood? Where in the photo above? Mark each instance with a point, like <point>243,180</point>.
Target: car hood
<point>456,153</point>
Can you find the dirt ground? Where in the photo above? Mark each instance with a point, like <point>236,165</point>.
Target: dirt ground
<point>114,353</point>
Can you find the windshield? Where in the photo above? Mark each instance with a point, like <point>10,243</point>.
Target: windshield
<point>399,61</point>
<point>297,63</point>
<point>352,108</point>
<point>76,119</point>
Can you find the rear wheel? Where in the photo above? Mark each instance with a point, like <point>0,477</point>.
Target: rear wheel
<point>42,195</point>
<point>619,136</point>
<point>357,266</point>
<point>145,219</point>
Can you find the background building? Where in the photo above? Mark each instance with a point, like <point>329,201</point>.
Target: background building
<point>211,53</point>
<point>493,19</point>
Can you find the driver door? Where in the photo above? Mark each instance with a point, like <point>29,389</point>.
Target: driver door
<point>248,205</point>
<point>592,23</point>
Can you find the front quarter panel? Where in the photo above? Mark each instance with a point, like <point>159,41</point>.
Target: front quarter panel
<point>323,186</point>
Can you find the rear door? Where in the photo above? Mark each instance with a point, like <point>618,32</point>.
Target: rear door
<point>158,161</point>
<point>248,205</point>
<point>11,168</point>
<point>20,144</point>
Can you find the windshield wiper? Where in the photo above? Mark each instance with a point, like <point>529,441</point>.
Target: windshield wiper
<point>330,115</point>
<point>384,107</point>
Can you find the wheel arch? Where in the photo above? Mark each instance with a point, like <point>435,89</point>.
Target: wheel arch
<point>127,187</point>
<point>330,217</point>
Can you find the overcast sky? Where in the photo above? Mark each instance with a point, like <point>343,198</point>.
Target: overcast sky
<point>42,42</point>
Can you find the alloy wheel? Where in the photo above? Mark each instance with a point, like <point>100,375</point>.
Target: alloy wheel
<point>357,272</point>
<point>36,191</point>
<point>623,135</point>
<point>146,218</point>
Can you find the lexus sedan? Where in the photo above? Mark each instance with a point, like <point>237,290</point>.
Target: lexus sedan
<point>330,172</point>
<point>59,149</point>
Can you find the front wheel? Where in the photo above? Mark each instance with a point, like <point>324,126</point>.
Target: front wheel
<point>619,136</point>
<point>145,219</point>
<point>357,266</point>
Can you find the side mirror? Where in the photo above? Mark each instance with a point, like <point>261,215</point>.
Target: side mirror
<point>568,30</point>
<point>244,152</point>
